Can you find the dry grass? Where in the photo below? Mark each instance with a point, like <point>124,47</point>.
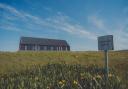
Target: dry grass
<point>18,61</point>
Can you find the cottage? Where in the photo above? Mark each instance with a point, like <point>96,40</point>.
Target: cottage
<point>42,44</point>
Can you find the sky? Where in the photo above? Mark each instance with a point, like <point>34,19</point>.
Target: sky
<point>79,22</point>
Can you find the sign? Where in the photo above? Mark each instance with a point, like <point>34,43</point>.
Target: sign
<point>105,42</point>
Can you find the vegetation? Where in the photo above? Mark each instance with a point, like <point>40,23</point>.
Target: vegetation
<point>62,70</point>
<point>61,76</point>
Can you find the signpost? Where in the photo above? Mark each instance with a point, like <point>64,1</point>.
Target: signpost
<point>106,43</point>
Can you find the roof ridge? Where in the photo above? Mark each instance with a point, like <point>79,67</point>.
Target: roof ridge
<point>41,38</point>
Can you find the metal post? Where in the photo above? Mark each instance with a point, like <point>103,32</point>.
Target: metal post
<point>106,65</point>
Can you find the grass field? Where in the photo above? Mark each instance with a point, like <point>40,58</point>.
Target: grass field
<point>18,62</point>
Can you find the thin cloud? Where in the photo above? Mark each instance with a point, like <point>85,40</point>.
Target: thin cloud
<point>120,36</point>
<point>97,22</point>
<point>64,23</point>
<point>11,10</point>
<point>119,30</point>
<point>10,28</point>
<point>59,22</point>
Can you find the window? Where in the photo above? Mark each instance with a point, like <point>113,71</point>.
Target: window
<point>52,48</point>
<point>29,47</point>
<point>45,47</point>
<point>22,47</point>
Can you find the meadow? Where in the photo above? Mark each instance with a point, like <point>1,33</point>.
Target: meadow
<point>62,70</point>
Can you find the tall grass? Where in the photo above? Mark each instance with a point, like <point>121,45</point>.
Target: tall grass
<point>15,63</point>
<point>61,76</point>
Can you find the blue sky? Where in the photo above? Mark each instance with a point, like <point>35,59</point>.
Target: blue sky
<point>79,22</point>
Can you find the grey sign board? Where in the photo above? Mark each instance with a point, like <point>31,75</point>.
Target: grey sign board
<point>105,42</point>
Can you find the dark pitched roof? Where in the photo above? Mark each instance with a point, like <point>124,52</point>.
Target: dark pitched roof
<point>43,41</point>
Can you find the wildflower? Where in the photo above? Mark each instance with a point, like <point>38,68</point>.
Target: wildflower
<point>60,82</point>
<point>63,81</point>
<point>98,76</point>
<point>48,87</point>
<point>94,78</point>
<point>110,75</point>
<point>75,82</point>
